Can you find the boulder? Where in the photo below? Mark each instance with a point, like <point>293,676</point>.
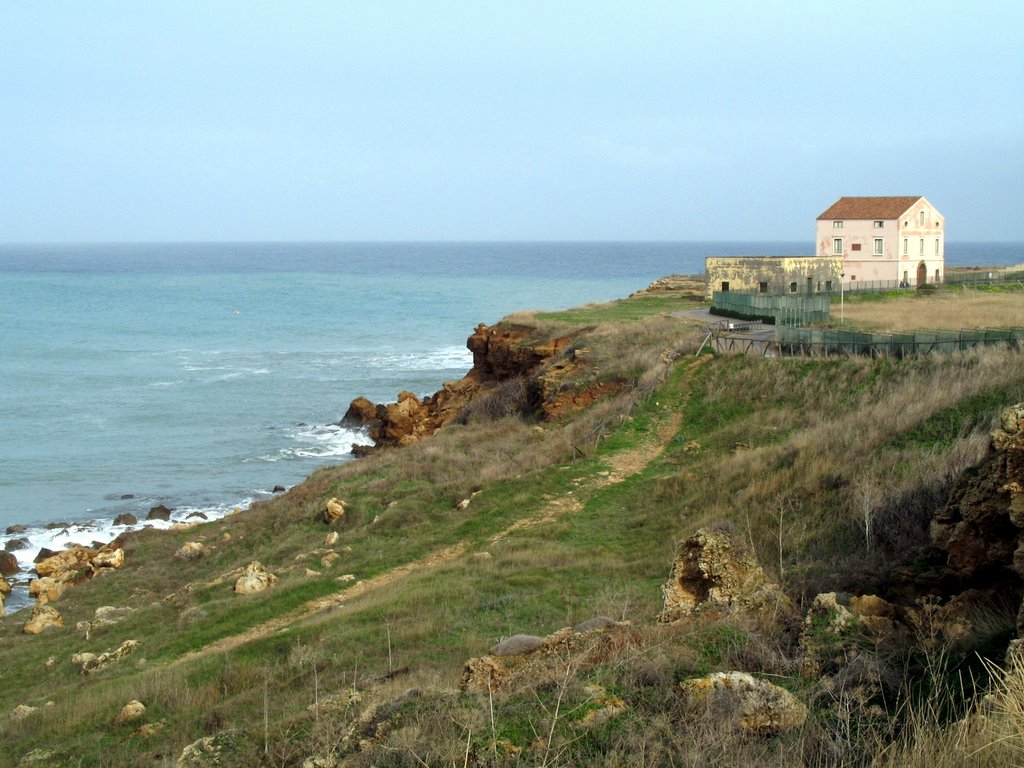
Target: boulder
<point>159,512</point>
<point>22,711</point>
<point>13,529</point>
<point>715,570</point>
<point>130,712</point>
<point>329,559</point>
<point>105,616</point>
<point>334,511</point>
<point>278,489</point>
<point>43,554</point>
<point>15,544</point>
<point>595,624</point>
<point>43,618</point>
<point>206,752</point>
<point>5,588</point>
<point>3,611</point>
<point>94,662</point>
<point>64,565</point>
<point>191,550</point>
<point>46,589</point>
<point>8,564</point>
<point>126,518</point>
<point>742,701</point>
<point>254,578</point>
<point>360,411</point>
<point>112,557</point>
<point>518,645</point>
<point>331,539</point>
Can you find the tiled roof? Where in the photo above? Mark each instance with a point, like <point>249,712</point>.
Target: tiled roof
<point>869,207</point>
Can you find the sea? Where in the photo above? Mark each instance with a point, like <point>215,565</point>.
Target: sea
<point>200,376</point>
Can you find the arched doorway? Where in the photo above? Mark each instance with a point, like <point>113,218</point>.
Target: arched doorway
<point>922,274</point>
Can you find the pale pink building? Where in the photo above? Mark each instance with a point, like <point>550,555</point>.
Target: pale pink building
<point>898,240</point>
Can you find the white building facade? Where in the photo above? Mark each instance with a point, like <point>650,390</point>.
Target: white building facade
<point>897,240</point>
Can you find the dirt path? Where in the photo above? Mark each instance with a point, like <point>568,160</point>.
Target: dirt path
<point>624,464</point>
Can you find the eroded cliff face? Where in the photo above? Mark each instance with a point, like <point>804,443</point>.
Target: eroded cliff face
<point>981,526</point>
<point>500,354</point>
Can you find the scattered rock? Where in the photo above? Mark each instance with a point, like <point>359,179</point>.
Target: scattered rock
<point>130,712</point>
<point>346,578</point>
<point>254,578</point>
<point>57,526</point>
<point>196,516</point>
<point>191,550</point>
<point>23,711</point>
<point>13,529</point>
<point>279,489</point>
<point>335,509</point>
<point>517,645</point>
<point>44,758</point>
<point>715,570</point>
<point>93,663</point>
<point>15,544</point>
<point>5,588</point>
<point>126,518</point>
<point>149,730</point>
<point>329,559</point>
<point>311,573</point>
<point>754,706</point>
<point>105,616</point>
<point>43,618</point>
<point>595,624</point>
<point>159,512</point>
<point>8,564</point>
<point>63,565</point>
<point>108,558</point>
<point>464,504</point>
<point>601,706</point>
<point>331,539</point>
<point>482,556</point>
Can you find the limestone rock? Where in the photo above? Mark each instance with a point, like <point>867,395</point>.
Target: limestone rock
<point>46,589</point>
<point>108,557</point>
<point>13,529</point>
<point>334,511</point>
<point>360,411</point>
<point>206,752</point>
<point>595,624</point>
<point>130,712</point>
<point>8,564</point>
<point>44,758</point>
<point>517,645</point>
<point>105,616</point>
<point>23,711</point>
<point>331,539</point>
<point>329,559</point>
<point>714,570</point>
<point>44,617</point>
<point>3,612</point>
<point>602,706</point>
<point>15,544</point>
<point>126,518</point>
<point>93,663</point>
<point>65,565</point>
<point>191,550</point>
<point>254,578</point>
<point>754,706</point>
<point>5,588</point>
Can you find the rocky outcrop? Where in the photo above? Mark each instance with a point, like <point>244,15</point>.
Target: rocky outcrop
<point>980,527</point>
<point>159,512</point>
<point>8,564</point>
<point>738,699</point>
<point>104,616</point>
<point>715,571</point>
<point>191,550</point>
<point>126,518</point>
<point>43,618</point>
<point>500,354</point>
<point>524,661</point>
<point>61,569</point>
<point>93,662</point>
<point>254,578</point>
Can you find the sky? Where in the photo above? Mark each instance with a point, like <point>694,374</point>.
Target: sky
<point>244,120</point>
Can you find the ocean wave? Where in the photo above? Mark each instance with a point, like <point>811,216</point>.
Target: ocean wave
<point>442,358</point>
<point>100,531</point>
<point>318,441</point>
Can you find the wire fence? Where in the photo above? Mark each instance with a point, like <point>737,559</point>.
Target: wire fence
<point>796,309</point>
<point>827,343</point>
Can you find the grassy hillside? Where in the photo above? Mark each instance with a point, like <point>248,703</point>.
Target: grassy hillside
<point>828,469</point>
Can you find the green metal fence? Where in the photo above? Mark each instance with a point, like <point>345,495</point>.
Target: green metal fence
<point>983,275</point>
<point>807,341</point>
<point>796,309</point>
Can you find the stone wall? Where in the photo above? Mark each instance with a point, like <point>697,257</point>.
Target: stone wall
<point>777,273</point>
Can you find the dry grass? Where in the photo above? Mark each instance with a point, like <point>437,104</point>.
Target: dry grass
<point>941,310</point>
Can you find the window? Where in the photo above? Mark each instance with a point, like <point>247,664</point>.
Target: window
<point>855,247</point>
<point>792,287</point>
<point>879,246</point>
<point>922,246</point>
<point>906,278</point>
<point>837,225</point>
<point>936,246</point>
<point>828,285</point>
<point>837,246</point>
<point>879,224</point>
<point>904,246</point>
<point>725,286</point>
<point>922,218</point>
<point>937,278</point>
<point>762,287</point>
